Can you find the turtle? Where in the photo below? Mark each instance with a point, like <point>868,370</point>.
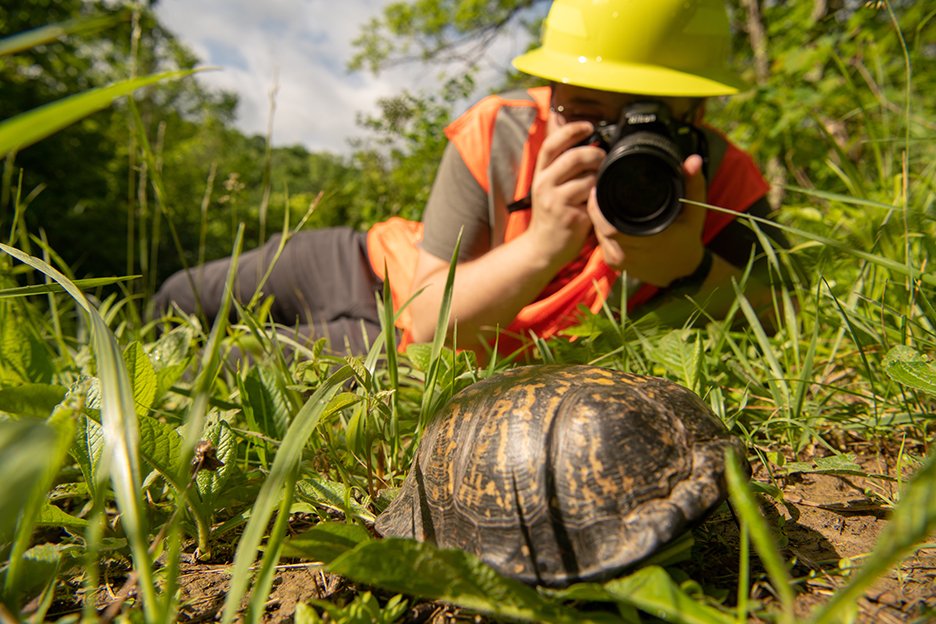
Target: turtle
<point>556,474</point>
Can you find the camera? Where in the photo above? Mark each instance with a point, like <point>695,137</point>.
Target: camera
<point>640,181</point>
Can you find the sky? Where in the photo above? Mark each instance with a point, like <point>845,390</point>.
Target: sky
<point>300,49</point>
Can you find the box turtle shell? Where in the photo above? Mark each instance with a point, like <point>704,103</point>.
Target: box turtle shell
<point>559,474</point>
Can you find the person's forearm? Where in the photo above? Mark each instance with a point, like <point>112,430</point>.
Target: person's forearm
<point>488,293</point>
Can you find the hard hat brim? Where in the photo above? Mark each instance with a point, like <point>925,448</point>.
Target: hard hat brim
<point>626,77</point>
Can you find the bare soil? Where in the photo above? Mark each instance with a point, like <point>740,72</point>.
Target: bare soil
<point>825,524</point>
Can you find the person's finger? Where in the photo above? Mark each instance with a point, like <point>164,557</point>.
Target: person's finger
<point>695,190</point>
<point>561,140</point>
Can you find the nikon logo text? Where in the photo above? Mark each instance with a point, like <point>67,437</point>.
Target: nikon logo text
<point>641,118</point>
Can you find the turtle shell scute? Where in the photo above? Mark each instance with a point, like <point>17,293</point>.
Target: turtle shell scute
<point>558,474</point>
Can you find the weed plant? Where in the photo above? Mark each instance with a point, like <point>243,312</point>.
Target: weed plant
<point>129,449</point>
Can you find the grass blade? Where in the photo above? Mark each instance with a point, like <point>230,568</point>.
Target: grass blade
<point>427,409</point>
<point>118,416</point>
<point>47,34</point>
<point>32,126</point>
<point>282,475</point>
<point>764,542</point>
<point>43,289</point>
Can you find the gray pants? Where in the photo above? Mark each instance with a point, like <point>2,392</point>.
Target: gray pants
<point>322,284</point>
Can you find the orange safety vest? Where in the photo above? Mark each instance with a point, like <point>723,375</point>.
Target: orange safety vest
<point>393,244</point>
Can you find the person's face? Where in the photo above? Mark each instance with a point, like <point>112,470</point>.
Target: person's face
<point>570,103</point>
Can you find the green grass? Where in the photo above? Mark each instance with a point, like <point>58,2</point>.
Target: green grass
<point>100,416</point>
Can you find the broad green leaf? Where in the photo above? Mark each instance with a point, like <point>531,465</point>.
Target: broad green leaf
<point>211,482</point>
<point>170,357</point>
<point>843,463</point>
<point>171,348</point>
<point>679,356</point>
<point>909,367</point>
<point>28,128</point>
<point>325,541</point>
<point>23,447</point>
<point>142,377</point>
<point>267,402</point>
<point>39,566</point>
<point>159,446</point>
<point>453,576</point>
<point>88,449</point>
<point>912,522</point>
<point>62,421</point>
<point>24,357</point>
<point>420,355</point>
<point>50,515</point>
<point>651,590</point>
<point>323,492</point>
<point>31,400</point>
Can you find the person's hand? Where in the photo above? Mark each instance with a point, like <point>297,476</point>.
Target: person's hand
<point>661,258</point>
<point>563,180</point>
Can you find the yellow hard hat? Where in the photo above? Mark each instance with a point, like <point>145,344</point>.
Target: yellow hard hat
<point>649,47</point>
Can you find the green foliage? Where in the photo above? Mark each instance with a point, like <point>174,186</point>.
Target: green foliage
<point>449,575</point>
<point>910,368</point>
<point>363,609</point>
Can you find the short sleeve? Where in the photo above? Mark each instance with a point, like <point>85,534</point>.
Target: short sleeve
<point>456,203</point>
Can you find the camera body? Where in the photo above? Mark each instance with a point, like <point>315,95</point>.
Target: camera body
<point>640,181</point>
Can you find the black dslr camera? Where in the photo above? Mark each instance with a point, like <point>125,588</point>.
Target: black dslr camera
<point>640,180</point>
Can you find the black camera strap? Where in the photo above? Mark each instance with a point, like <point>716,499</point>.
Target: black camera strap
<point>524,203</point>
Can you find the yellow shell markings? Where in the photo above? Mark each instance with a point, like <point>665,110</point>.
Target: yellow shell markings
<point>444,488</point>
<point>472,488</point>
<point>534,415</point>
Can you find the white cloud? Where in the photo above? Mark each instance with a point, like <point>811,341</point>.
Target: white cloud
<point>301,48</point>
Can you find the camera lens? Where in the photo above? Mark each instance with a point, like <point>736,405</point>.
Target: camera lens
<point>640,183</point>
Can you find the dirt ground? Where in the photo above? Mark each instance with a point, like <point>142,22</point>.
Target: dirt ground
<point>822,520</point>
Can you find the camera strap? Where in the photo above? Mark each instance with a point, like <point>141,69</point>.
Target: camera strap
<point>524,203</point>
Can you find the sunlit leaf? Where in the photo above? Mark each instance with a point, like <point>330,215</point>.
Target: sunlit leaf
<point>325,541</point>
<point>911,368</point>
<point>211,482</point>
<point>43,289</point>
<point>31,400</point>
<point>52,32</point>
<point>840,463</point>
<point>650,590</point>
<point>23,460</point>
<point>50,515</point>
<point>159,446</point>
<point>453,576</point>
<point>142,377</point>
<point>267,402</point>
<point>24,358</point>
<point>27,128</point>
<point>323,492</point>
